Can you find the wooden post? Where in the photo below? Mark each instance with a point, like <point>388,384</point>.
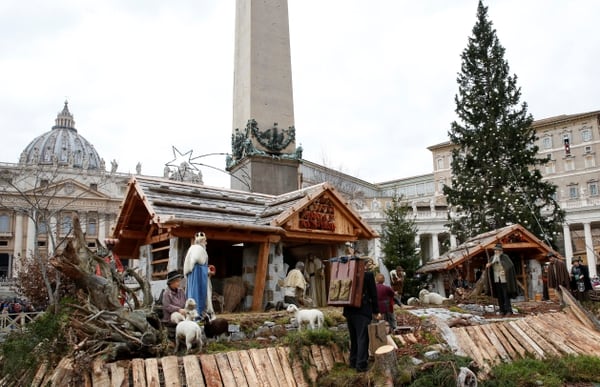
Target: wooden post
<point>386,364</point>
<point>260,276</point>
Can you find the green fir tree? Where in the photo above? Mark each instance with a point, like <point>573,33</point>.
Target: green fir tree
<point>397,242</point>
<point>495,169</point>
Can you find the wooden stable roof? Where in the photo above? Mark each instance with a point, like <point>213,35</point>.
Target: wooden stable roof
<point>513,238</point>
<point>153,206</point>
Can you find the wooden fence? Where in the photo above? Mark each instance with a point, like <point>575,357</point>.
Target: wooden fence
<point>13,321</point>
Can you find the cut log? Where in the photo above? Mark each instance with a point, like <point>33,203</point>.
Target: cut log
<point>386,364</point>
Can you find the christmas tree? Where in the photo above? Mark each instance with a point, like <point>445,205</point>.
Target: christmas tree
<point>495,175</point>
<point>397,242</point>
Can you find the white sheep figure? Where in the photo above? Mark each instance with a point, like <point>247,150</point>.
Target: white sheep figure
<point>190,312</point>
<point>191,332</point>
<point>427,297</point>
<point>314,317</point>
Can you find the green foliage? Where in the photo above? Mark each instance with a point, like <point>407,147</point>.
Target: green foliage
<point>40,340</point>
<point>397,241</point>
<point>495,169</point>
<point>441,373</point>
<point>323,336</point>
<point>548,372</point>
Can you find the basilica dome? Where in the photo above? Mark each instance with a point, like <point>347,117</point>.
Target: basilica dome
<point>62,146</point>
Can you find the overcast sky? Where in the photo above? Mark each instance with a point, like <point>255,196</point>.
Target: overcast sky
<point>374,81</point>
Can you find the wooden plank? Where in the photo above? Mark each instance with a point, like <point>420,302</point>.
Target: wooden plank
<point>264,369</point>
<point>400,338</point>
<point>526,341</point>
<point>138,373</point>
<point>117,375</point>
<point>584,343</point>
<point>152,372</point>
<point>338,356</point>
<point>518,343</point>
<point>212,377</point>
<point>297,371</point>
<point>528,326</point>
<point>564,325</point>
<point>318,358</point>
<point>248,368</point>
<point>468,346</point>
<point>170,368</point>
<point>491,335</point>
<point>506,340</point>
<point>284,355</point>
<point>410,338</point>
<point>193,373</point>
<point>236,368</point>
<point>327,358</point>
<point>225,369</point>
<point>553,336</point>
<point>276,364</point>
<point>62,372</point>
<point>482,343</point>
<point>311,371</point>
<point>39,374</point>
<point>260,276</point>
<point>100,375</point>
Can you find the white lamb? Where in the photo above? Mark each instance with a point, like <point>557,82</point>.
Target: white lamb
<point>427,297</point>
<point>314,317</point>
<point>190,312</point>
<point>191,332</point>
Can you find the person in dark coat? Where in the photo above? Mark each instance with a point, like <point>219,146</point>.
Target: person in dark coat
<point>558,275</point>
<point>580,278</point>
<point>358,319</point>
<point>501,280</point>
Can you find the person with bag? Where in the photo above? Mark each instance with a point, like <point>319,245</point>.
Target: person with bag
<point>359,318</point>
<point>580,279</point>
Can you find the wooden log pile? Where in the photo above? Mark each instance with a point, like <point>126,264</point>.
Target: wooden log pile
<point>100,326</point>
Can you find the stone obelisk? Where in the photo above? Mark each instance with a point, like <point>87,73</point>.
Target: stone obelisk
<point>264,154</point>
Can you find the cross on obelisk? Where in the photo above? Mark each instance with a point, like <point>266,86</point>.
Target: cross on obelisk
<point>264,150</point>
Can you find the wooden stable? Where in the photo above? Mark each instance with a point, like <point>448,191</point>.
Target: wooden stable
<point>159,217</point>
<point>519,243</point>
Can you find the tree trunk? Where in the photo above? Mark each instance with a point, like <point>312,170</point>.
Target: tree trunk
<point>386,364</point>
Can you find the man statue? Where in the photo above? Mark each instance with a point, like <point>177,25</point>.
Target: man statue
<point>501,280</point>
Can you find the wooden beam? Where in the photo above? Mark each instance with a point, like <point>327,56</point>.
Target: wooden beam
<point>260,276</point>
<point>132,234</point>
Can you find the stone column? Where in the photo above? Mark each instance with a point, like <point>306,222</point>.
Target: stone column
<point>18,248</point>
<point>101,227</point>
<point>435,246</point>
<point>568,245</point>
<point>418,246</point>
<point>589,249</point>
<point>453,242</point>
<point>30,245</point>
